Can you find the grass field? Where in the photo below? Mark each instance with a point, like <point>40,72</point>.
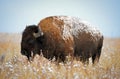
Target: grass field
<point>15,66</point>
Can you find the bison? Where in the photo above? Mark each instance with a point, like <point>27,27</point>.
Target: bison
<point>60,36</point>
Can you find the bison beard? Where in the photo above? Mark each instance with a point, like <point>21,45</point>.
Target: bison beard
<point>60,36</point>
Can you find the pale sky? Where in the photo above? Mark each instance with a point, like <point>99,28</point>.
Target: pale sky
<point>16,14</point>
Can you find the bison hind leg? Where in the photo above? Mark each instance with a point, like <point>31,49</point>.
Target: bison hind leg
<point>84,57</point>
<point>93,58</point>
<point>96,56</point>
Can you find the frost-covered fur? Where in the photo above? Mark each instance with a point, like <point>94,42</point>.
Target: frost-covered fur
<point>75,26</point>
<point>63,36</point>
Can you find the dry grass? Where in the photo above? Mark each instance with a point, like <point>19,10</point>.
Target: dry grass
<point>15,66</point>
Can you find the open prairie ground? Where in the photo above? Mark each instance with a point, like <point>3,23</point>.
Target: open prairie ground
<point>15,66</point>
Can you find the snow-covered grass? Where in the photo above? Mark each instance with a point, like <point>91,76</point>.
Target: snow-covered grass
<point>15,66</point>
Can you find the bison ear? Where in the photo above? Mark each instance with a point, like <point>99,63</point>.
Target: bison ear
<point>39,33</point>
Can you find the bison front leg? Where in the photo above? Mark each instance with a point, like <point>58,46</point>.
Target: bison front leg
<point>35,51</point>
<point>29,56</point>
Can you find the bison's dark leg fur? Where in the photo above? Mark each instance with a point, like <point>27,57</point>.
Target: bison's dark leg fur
<point>36,51</point>
<point>99,52</point>
<point>96,56</point>
<point>100,47</point>
<point>29,56</point>
<point>93,58</point>
<point>62,57</point>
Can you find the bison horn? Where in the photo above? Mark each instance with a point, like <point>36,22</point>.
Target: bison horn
<point>38,34</point>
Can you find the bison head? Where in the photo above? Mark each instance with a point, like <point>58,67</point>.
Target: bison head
<point>29,42</point>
